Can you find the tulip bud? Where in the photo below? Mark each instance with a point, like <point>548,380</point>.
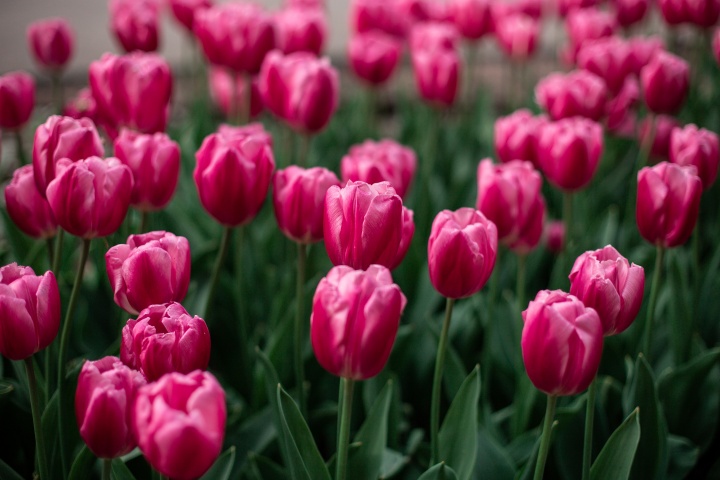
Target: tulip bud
<point>179,423</point>
<point>587,24</point>
<point>184,11</point>
<point>575,94</point>
<point>664,125</point>
<point>135,24</point>
<point>355,318</point>
<point>81,105</point>
<point>516,136</point>
<point>665,83</point>
<point>17,99</point>
<point>696,147</point>
<point>630,12</point>
<point>461,252</point>
<point>605,280</point>
<point>374,56</point>
<point>29,311</point>
<point>437,74</point>
<point>517,36</point>
<point>300,29</point>
<point>382,161</point>
<point>562,343</point>
<point>368,15</point>
<point>228,92</point>
<point>51,42</point>
<point>609,58</point>
<point>642,50</point>
<point>673,11</point>
<point>104,398</point>
<point>472,18</point>
<point>299,201</point>
<point>668,202</point>
<point>554,234</point>
<point>26,207</point>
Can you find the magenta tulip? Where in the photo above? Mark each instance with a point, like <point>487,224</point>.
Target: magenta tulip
<point>17,99</point>
<point>300,29</point>
<point>609,58</point>
<point>26,207</point>
<point>576,94</point>
<point>517,35</point>
<point>665,83</point>
<point>516,136</point>
<point>630,12</point>
<point>184,11</point>
<point>385,160</point>
<point>663,128</point>
<point>228,92</point>
<point>567,6</point>
<point>696,147</point>
<point>587,24</point>
<point>472,18</point>
<point>437,75</point>
<point>135,24</point>
<point>621,116</point>
<point>644,49</point>
<point>51,42</point>
<point>374,56</point>
<point>368,15</point>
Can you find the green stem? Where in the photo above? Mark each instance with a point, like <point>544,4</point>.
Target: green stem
<point>107,469</point>
<point>344,431</point>
<point>640,162</point>
<point>654,288</point>
<point>222,252</point>
<point>22,158</point>
<point>299,304</point>
<point>58,252</point>
<point>437,383</point>
<point>143,221</point>
<point>546,436</point>
<point>51,250</point>
<point>589,422</point>
<point>35,407</point>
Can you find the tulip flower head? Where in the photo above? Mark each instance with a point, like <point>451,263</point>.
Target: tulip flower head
<point>517,36</point>
<point>630,12</point>
<point>374,56</point>
<point>516,136</point>
<point>697,147</point>
<point>26,207</point>
<point>17,99</point>
<point>472,18</point>
<point>554,234</point>
<point>81,105</point>
<point>368,15</point>
<point>135,24</point>
<point>663,128</point>
<point>374,162</point>
<point>576,94</point>
<point>665,82</point>
<point>300,29</point>
<point>184,11</point>
<point>51,43</point>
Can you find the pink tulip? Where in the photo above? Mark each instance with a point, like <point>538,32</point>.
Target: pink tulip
<point>355,318</point>
<point>461,252</point>
<point>510,196</point>
<point>569,152</point>
<point>433,36</point>
<point>154,160</point>
<point>299,201</point>
<point>301,29</point>
<point>554,234</point>
<point>562,343</point>
<point>374,162</point>
<point>605,280</point>
<point>179,423</point>
<point>418,11</point>
<point>90,197</point>
<point>437,75</point>
<point>609,58</point>
<point>51,42</point>
<point>673,11</point>
<point>703,13</point>
<point>630,12</point>
<point>516,136</point>
<point>184,11</point>
<point>472,18</point>
<point>517,36</point>
<point>368,15</point>
<point>233,172</point>
<point>26,207</point>
<point>621,118</point>
<point>696,147</point>
<point>374,56</point>
<point>642,50</point>
<point>149,269</point>
<point>135,24</point>
<point>665,83</point>
<point>668,202</point>
<point>305,3</point>
<point>664,125</point>
<point>501,10</point>
<point>228,92</point>
<point>566,7</point>
<point>17,99</point>
<point>585,25</point>
<point>575,94</point>
<point>104,398</point>
<point>29,311</point>
<point>81,105</point>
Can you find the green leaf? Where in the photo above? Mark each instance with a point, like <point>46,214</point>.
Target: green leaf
<point>616,458</point>
<point>7,473</point>
<point>120,471</point>
<point>439,472</point>
<point>262,468</point>
<point>458,434</point>
<point>682,457</point>
<point>392,463</point>
<point>495,462</point>
<point>82,465</point>
<point>222,467</point>
<point>271,384</point>
<point>366,461</point>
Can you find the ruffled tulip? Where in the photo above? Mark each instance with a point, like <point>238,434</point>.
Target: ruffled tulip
<point>383,161</point>
<point>17,99</point>
<point>461,252</point>
<point>355,318</point>
<point>81,105</point>
<point>228,92</point>
<point>184,11</point>
<point>368,15</point>
<point>437,75</point>
<point>609,58</point>
<point>517,36</point>
<point>472,18</point>
<point>575,94</point>
<point>179,423</point>
<point>696,147</point>
<point>374,56</point>
<point>516,136</point>
<point>662,129</point>
<point>630,12</point>
<point>665,83</point>
<point>104,398</point>
<point>562,342</point>
<point>135,24</point>
<point>29,311</point>
<point>26,207</point>
<point>300,29</point>
<point>51,42</point>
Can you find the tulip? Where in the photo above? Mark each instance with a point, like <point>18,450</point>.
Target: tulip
<point>90,197</point>
<point>621,118</point>
<point>135,24</point>
<point>26,207</point>
<point>81,105</point>
<point>642,50</point>
<point>104,398</point>
<point>368,15</point>
<point>516,136</point>
<point>585,25</point>
<point>233,172</point>
<point>578,93</point>
<point>569,152</point>
<point>665,83</point>
<point>509,196</point>
<point>609,58</point>
<point>696,147</point>
<point>630,12</point>
<point>472,18</point>
<point>673,11</point>
<point>305,3</point>
<point>300,29</point>
<point>501,10</point>
<point>154,160</point>
<point>374,56</point>
<point>17,99</point>
<point>184,11</point>
<point>568,6</point>
<point>437,74</point>
<point>229,92</point>
<point>433,36</point>
<point>418,11</point>
<point>517,36</point>
<point>703,13</point>
<point>51,42</point>
<point>179,423</point>
<point>374,162</point>
<point>662,129</point>
<point>554,235</point>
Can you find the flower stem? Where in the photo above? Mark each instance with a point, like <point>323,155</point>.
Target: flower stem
<point>58,93</point>
<point>546,436</point>
<point>222,252</point>
<point>654,288</point>
<point>35,407</point>
<point>246,112</point>
<point>51,251</point>
<point>22,158</point>
<point>589,422</point>
<point>107,469</point>
<point>143,221</point>
<point>299,308</point>
<point>437,384</point>
<point>344,431</point>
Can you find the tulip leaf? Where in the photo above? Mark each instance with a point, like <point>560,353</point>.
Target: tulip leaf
<point>262,468</point>
<point>495,462</point>
<point>271,383</point>
<point>82,465</point>
<point>458,434</point>
<point>222,468</point>
<point>616,458</point>
<point>7,473</point>
<point>120,471</point>
<point>366,461</point>
<point>439,472</point>
<point>682,457</point>
<point>392,463</point>
<point>305,459</point>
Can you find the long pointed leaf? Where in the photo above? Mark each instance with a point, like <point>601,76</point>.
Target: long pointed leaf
<point>222,467</point>
<point>366,461</point>
<point>616,458</point>
<point>439,472</point>
<point>458,434</point>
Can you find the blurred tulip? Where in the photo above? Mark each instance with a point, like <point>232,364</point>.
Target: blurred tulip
<point>567,6</point>
<point>29,311</point>
<point>104,398</point>
<point>664,125</point>
<point>665,83</point>
<point>179,423</point>
<point>17,99</point>
<point>228,92</point>
<point>51,42</point>
<point>461,252</point>
<point>668,202</point>
<point>516,136</point>
<point>374,56</point>
<point>517,36</point>
<point>696,147</point>
<point>184,11</point>
<point>81,105</point>
<point>575,94</point>
<point>703,13</point>
<point>437,75</point>
<point>642,50</point>
<point>503,9</point>
<point>433,36</point>
<point>26,207</point>
<point>609,58</point>
<point>368,15</point>
<point>630,12</point>
<point>472,18</point>
<point>384,160</point>
<point>585,25</point>
<point>135,24</point>
<point>300,29</point>
<point>554,234</point>
<point>621,118</point>
<point>355,318</point>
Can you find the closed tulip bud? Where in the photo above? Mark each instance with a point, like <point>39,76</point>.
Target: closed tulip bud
<point>562,342</point>
<point>703,13</point>
<point>609,58</point>
<point>569,152</point>
<point>472,18</point>
<point>355,318</point>
<point>509,196</point>
<point>228,92</point>
<point>696,147</point>
<point>664,125</point>
<point>461,252</point>
<point>154,160</point>
<point>81,105</point>
<point>104,398</point>
<point>300,29</point>
<point>630,12</point>
<point>184,11</point>
<point>179,423</point>
<point>516,136</point>
<point>642,50</point>
<point>374,56</point>
<point>501,10</point>
<point>165,338</point>
<point>90,198</point>
<point>517,36</point>
<point>17,99</point>
<point>575,94</point>
<point>26,207</point>
<point>621,118</point>
<point>150,268</point>
<point>135,24</point>
<point>554,234</point>
<point>368,15</point>
<point>233,172</point>
<point>587,24</point>
<point>668,202</point>
<point>665,83</point>
<point>29,311</point>
<point>382,161</point>
<point>299,201</point>
<point>437,75</point>
<point>51,42</point>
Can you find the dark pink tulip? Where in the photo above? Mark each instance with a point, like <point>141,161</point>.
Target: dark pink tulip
<point>228,92</point>
<point>300,29</point>
<point>668,202</point>
<point>569,152</point>
<point>642,50</point>
<point>472,18</point>
<point>149,269</point>
<point>630,12</point>
<point>565,7</point>
<point>367,15</point>
<point>461,252</point>
<point>385,160</point>
<point>184,11</point>
<point>355,318</point>
<point>554,234</point>
<point>510,196</point>
<point>17,99</point>
<point>81,105</point>
<point>575,94</point>
<point>664,125</point>
<point>90,197</point>
<point>665,83</point>
<point>179,423</point>
<point>530,8</point>
<point>609,58</point>
<point>517,35</point>
<point>233,172</point>
<point>26,207</point>
<point>516,136</point>
<point>696,147</point>
<point>562,343</point>
<point>585,25</point>
<point>418,11</point>
<point>299,201</point>
<point>155,163</point>
<point>621,118</point>
<point>104,398</point>
<point>135,24</point>
<point>305,3</point>
<point>437,75</point>
<point>51,42</point>
<point>673,11</point>
<point>374,56</point>
<point>433,36</point>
